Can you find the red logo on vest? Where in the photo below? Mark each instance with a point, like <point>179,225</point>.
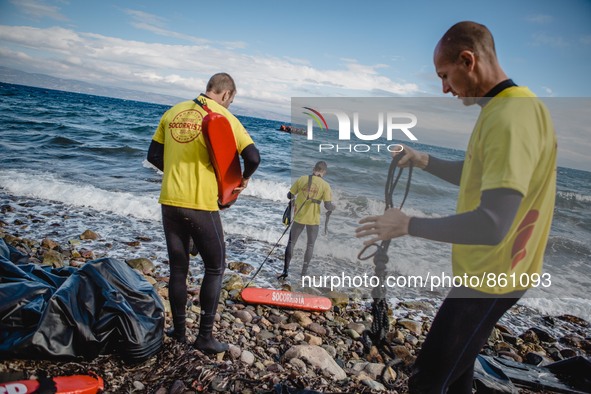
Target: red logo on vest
<point>524,232</point>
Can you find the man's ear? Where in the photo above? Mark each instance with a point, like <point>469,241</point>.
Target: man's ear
<point>468,58</point>
<point>226,96</point>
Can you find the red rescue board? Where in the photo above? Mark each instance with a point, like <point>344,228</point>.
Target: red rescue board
<point>76,384</point>
<point>221,145</point>
<point>286,299</point>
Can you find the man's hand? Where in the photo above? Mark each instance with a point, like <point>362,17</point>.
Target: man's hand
<point>417,158</point>
<point>392,224</point>
<point>243,184</point>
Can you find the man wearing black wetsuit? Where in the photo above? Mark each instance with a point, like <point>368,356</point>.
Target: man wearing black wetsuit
<point>189,201</point>
<point>506,200</point>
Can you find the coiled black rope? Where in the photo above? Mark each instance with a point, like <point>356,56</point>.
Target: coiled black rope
<point>376,336</point>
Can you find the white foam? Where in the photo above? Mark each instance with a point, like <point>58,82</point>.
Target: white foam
<point>267,190</point>
<point>269,234</point>
<point>559,306</point>
<point>47,186</point>
<point>574,196</point>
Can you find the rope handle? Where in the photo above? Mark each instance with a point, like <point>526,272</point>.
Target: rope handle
<point>391,183</point>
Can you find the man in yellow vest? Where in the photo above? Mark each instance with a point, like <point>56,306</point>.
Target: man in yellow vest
<point>507,184</point>
<point>309,192</point>
<point>189,198</point>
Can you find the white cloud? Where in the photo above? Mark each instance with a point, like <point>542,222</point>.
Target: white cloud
<point>155,24</point>
<point>543,39</point>
<point>146,17</point>
<point>38,9</point>
<point>539,19</point>
<point>50,39</point>
<point>21,56</point>
<point>549,92</point>
<point>182,70</point>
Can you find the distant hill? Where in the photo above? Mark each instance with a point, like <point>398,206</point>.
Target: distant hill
<point>18,77</point>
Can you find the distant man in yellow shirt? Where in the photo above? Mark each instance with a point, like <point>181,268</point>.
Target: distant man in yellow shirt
<point>309,192</point>
<point>189,198</point>
<point>507,186</point>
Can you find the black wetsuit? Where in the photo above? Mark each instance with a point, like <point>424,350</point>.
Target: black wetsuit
<point>463,323</point>
<point>205,228</point>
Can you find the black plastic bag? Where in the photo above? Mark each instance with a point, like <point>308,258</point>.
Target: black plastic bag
<point>67,313</point>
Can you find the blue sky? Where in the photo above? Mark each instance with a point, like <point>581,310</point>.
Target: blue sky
<point>278,50</point>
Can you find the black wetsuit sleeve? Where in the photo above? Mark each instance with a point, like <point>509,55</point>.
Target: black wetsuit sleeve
<point>448,170</point>
<point>486,225</point>
<point>252,159</point>
<point>156,155</point>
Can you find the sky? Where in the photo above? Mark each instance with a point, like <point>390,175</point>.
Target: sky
<point>276,50</point>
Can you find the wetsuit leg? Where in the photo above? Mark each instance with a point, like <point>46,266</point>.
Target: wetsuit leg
<point>294,234</point>
<point>177,237</point>
<point>208,235</point>
<point>205,228</point>
<point>312,234</point>
<point>458,333</point>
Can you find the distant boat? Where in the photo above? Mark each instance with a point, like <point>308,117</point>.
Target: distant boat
<point>291,130</point>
